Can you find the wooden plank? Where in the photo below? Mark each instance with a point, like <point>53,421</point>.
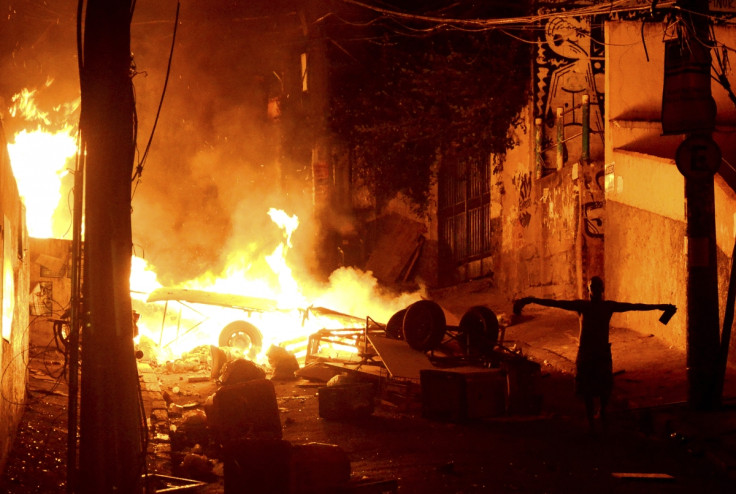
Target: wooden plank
<point>400,360</point>
<point>397,241</point>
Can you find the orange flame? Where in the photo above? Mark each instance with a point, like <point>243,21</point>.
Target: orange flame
<point>41,159</point>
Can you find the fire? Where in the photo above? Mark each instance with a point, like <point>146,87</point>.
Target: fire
<point>143,279</point>
<point>279,313</point>
<point>260,293</point>
<point>41,159</point>
<point>284,315</point>
<point>277,260</point>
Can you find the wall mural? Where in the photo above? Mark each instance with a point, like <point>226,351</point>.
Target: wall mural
<point>569,64</point>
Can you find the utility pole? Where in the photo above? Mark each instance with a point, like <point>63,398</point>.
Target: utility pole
<point>688,108</point>
<point>111,458</point>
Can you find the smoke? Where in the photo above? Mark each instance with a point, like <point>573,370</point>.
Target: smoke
<point>218,159</point>
<point>220,155</point>
<point>216,164</point>
<point>358,293</point>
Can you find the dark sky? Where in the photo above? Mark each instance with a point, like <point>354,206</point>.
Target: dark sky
<point>211,173</point>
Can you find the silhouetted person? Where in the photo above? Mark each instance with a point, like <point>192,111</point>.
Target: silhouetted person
<point>594,369</point>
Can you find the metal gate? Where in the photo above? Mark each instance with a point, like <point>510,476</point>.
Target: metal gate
<point>464,216</point>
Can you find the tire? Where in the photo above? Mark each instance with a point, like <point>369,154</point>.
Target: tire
<point>243,335</point>
<point>478,330</point>
<point>395,325</point>
<point>424,325</point>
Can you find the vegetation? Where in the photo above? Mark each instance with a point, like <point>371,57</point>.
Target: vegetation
<point>408,92</point>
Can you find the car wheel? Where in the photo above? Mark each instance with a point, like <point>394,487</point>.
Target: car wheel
<point>424,325</point>
<point>478,330</point>
<point>242,335</point>
<point>395,325</point>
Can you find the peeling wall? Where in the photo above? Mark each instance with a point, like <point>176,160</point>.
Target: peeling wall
<point>552,220</point>
<point>538,222</point>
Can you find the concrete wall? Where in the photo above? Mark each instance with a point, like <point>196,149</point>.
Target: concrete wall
<point>645,254</point>
<point>552,223</point>
<point>552,228</point>
<point>539,223</point>
<point>14,309</point>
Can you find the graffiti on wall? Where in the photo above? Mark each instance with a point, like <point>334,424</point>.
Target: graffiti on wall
<point>593,205</point>
<point>42,299</point>
<point>523,184</point>
<point>570,64</point>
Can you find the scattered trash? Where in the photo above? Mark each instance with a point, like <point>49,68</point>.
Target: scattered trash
<point>317,371</point>
<point>196,465</point>
<point>198,379</point>
<point>192,430</point>
<point>175,410</point>
<point>346,398</point>
<point>239,371</point>
<point>283,362</point>
<point>165,483</point>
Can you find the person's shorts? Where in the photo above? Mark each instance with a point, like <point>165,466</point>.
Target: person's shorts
<point>594,376</point>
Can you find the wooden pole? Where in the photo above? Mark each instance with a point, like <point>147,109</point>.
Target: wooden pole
<point>111,456</point>
<point>698,161</point>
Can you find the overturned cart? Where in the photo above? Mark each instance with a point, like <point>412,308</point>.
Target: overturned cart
<point>456,372</point>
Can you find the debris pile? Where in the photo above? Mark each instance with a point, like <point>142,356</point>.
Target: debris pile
<point>235,433</point>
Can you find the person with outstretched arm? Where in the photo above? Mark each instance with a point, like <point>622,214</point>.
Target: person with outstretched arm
<point>594,369</point>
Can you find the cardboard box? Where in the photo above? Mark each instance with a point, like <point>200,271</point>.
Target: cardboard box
<point>463,393</point>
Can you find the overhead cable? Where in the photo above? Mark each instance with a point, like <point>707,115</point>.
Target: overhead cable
<point>616,6</point>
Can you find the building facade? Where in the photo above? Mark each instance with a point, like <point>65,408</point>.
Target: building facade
<point>613,206</point>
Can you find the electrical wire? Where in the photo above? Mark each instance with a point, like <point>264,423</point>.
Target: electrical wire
<point>616,6</point>
<point>526,24</point>
<point>139,167</point>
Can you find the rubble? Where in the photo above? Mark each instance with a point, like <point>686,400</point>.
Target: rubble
<point>239,371</point>
<point>283,363</point>
<point>196,466</point>
<point>192,430</point>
